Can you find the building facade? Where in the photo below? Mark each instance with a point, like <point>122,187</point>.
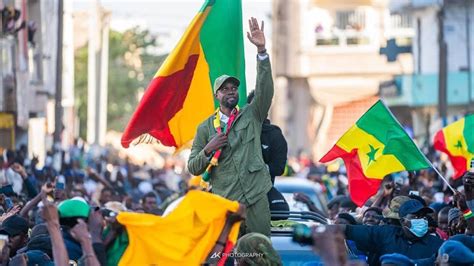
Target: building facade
<point>328,67</point>
<point>28,73</point>
<point>417,93</point>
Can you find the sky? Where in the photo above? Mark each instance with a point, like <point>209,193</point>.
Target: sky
<point>168,19</point>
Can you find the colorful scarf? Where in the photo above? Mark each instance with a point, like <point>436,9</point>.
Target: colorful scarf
<point>217,125</point>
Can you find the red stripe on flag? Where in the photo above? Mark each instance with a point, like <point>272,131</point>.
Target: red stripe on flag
<point>162,100</point>
<point>361,188</point>
<point>459,162</point>
<point>334,153</point>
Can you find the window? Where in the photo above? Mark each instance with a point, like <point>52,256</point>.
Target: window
<point>346,20</point>
<point>348,28</point>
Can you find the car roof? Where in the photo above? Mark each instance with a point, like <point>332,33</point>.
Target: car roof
<point>292,180</point>
<point>293,253</point>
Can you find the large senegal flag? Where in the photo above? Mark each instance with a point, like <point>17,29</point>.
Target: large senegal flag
<point>372,148</point>
<point>180,95</point>
<point>185,236</point>
<point>457,141</point>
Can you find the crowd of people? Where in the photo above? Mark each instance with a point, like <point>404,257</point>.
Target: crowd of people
<point>414,221</point>
<point>64,210</point>
<point>69,213</point>
<point>78,202</point>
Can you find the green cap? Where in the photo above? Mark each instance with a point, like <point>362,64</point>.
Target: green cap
<point>394,206</point>
<point>75,207</point>
<point>222,79</point>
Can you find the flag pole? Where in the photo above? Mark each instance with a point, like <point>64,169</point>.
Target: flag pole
<point>440,175</point>
<point>428,161</point>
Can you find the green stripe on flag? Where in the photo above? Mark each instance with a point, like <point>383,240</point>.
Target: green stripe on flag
<point>222,41</point>
<point>379,122</point>
<point>206,4</point>
<point>468,132</point>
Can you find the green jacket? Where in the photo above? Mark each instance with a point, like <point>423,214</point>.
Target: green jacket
<point>241,174</point>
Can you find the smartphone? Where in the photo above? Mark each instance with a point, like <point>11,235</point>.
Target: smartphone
<point>414,192</point>
<point>108,213</point>
<point>8,203</point>
<point>3,240</point>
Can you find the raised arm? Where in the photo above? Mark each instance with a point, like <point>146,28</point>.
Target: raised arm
<point>264,86</point>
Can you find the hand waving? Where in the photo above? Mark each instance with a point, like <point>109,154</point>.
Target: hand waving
<point>256,35</point>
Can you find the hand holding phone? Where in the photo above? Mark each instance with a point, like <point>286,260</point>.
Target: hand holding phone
<point>8,203</point>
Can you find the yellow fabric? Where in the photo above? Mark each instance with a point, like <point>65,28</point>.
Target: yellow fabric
<point>188,45</point>
<point>454,133</point>
<point>198,105</point>
<point>356,138</point>
<point>184,237</point>
<point>196,181</point>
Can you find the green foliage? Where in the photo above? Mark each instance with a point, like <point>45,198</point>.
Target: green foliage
<point>132,64</point>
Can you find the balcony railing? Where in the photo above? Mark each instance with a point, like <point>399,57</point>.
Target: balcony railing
<point>353,29</point>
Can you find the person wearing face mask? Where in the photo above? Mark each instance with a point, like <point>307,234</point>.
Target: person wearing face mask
<point>410,239</point>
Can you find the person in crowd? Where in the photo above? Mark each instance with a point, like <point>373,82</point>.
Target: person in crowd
<point>16,228</point>
<point>372,216</point>
<point>149,204</point>
<point>345,218</point>
<point>115,236</point>
<point>411,239</point>
<point>454,253</point>
<point>391,214</point>
<point>227,146</point>
<point>456,223</point>
<point>255,243</point>
<point>72,211</point>
<point>443,222</point>
<point>335,206</point>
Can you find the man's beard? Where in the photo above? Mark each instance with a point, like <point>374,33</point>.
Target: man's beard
<point>230,104</point>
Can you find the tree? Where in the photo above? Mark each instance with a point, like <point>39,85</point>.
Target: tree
<point>132,64</point>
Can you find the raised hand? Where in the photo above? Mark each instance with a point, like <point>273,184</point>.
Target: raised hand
<point>80,232</point>
<point>460,201</point>
<point>47,188</point>
<point>11,212</point>
<point>256,35</point>
<point>49,212</point>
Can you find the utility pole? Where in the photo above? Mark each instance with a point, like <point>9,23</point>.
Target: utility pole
<point>58,108</point>
<point>468,55</point>
<point>443,68</point>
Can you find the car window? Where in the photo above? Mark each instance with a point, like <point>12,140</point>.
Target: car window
<point>290,189</point>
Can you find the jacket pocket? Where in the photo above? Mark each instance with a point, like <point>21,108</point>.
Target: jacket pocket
<point>245,131</point>
<point>255,165</point>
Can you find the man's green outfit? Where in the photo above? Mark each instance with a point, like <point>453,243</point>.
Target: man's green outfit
<point>241,173</point>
